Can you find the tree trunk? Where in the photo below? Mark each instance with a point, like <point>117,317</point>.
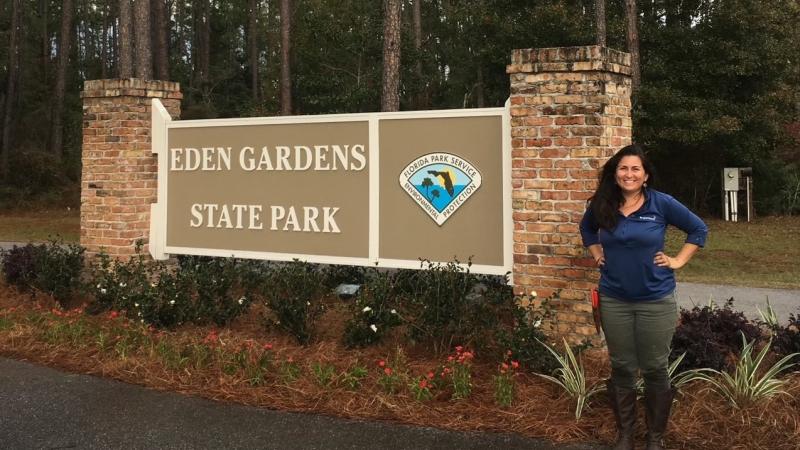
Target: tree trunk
<point>125,39</point>
<point>203,52</point>
<point>143,67</point>
<point>390,94</point>
<point>286,47</point>
<point>252,44</point>
<point>104,42</point>
<point>632,16</point>
<point>416,14</point>
<point>15,37</point>
<point>600,21</point>
<point>45,41</point>
<point>161,22</point>
<point>57,133</point>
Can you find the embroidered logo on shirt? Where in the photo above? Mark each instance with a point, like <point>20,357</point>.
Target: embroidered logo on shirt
<point>647,217</point>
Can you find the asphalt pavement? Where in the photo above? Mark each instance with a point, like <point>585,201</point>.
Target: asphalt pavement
<point>43,408</point>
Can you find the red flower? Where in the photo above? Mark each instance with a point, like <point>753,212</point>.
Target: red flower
<point>459,348</point>
<point>514,364</point>
<point>381,363</point>
<point>504,366</point>
<point>430,375</point>
<point>423,384</point>
<point>387,370</point>
<point>267,346</point>
<point>113,315</point>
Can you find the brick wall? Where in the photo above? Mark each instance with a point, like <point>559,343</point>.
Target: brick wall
<point>570,111</point>
<point>118,181</point>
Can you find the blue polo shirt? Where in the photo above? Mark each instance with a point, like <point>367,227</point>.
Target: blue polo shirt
<point>629,272</point>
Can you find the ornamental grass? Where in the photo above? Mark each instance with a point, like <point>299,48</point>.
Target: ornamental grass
<point>325,377</point>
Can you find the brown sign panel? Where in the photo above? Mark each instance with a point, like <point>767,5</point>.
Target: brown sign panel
<point>383,188</point>
<point>473,230</point>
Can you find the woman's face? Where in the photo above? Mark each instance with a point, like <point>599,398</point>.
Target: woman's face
<point>630,174</point>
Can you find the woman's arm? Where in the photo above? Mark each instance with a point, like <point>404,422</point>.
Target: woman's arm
<point>596,250</point>
<point>676,262</point>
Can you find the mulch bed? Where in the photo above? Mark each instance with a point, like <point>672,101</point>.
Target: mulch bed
<point>701,419</point>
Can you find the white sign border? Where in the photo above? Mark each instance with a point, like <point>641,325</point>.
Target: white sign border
<point>162,122</point>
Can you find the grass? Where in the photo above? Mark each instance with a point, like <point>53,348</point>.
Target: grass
<point>761,253</point>
<point>39,226</point>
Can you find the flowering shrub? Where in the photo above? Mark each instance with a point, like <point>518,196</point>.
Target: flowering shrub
<point>146,291</point>
<point>422,387</point>
<point>388,378</point>
<point>292,292</point>
<point>373,312</point>
<point>53,268</point>
<point>460,372</point>
<point>199,290</point>
<point>221,289</point>
<point>504,381</point>
<point>522,340</point>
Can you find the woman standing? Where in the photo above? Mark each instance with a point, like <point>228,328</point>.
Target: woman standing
<point>623,229</point>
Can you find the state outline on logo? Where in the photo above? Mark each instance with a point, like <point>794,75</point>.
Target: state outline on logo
<point>448,170</point>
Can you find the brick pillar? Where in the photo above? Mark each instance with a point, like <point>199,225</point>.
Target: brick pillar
<point>119,175</point>
<point>570,111</point>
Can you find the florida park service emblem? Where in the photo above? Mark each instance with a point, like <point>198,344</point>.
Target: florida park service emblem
<point>440,183</point>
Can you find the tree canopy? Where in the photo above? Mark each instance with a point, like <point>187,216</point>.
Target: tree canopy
<point>719,78</point>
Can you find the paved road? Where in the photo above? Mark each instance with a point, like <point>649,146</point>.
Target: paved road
<point>43,408</point>
<point>745,299</point>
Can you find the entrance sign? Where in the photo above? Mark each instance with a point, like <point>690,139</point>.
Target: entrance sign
<point>325,188</point>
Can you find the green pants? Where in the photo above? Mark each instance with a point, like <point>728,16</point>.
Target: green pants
<point>639,335</point>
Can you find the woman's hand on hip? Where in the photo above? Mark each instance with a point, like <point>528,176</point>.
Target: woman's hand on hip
<point>663,260</point>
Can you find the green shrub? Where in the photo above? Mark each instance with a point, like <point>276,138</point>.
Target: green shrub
<point>446,304</point>
<point>374,311</point>
<point>53,268</point>
<point>221,287</point>
<point>147,291</point>
<point>199,290</point>
<point>292,293</point>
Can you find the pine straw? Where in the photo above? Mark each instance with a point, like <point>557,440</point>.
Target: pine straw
<point>700,420</point>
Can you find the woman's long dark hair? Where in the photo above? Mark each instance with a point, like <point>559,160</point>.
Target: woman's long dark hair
<point>608,197</point>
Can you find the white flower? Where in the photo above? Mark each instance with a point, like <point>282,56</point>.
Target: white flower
<point>241,301</point>
<point>172,302</point>
<point>308,303</point>
<point>102,291</point>
<point>537,323</point>
<point>98,286</point>
<point>394,311</point>
<point>136,305</point>
<point>366,309</point>
<point>142,321</point>
<point>122,285</point>
<point>139,314</point>
<point>533,294</point>
<point>374,328</point>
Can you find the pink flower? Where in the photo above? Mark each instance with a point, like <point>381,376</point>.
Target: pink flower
<point>381,363</point>
<point>459,349</point>
<point>504,366</point>
<point>514,364</point>
<point>430,375</point>
<point>267,346</point>
<point>387,371</point>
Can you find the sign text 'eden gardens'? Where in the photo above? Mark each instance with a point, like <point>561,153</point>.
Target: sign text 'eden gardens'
<point>317,219</point>
<point>359,189</point>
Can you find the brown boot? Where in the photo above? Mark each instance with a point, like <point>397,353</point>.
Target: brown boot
<point>658,404</point>
<point>623,403</point>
